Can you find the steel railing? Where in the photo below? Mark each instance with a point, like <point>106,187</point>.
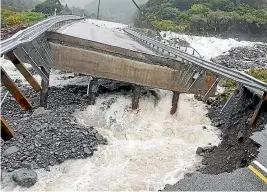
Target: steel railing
<point>219,70</point>
<point>32,32</point>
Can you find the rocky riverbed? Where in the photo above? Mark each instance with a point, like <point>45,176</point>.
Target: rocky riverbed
<point>146,135</point>
<point>242,58</point>
<point>46,137</point>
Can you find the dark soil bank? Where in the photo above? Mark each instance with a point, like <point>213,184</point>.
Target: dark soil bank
<point>236,149</point>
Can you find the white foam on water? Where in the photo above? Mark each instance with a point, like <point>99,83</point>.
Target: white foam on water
<point>209,47</point>
<point>107,24</point>
<point>148,148</point>
<point>57,77</point>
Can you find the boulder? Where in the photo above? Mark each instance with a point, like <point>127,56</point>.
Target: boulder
<point>25,177</point>
<point>11,150</point>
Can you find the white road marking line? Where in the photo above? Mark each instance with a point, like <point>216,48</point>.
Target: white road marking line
<point>260,166</point>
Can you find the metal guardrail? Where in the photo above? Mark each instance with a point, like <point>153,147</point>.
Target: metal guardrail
<point>186,49</point>
<point>217,69</point>
<point>32,32</point>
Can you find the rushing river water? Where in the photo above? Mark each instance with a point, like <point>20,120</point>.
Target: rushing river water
<point>148,148</point>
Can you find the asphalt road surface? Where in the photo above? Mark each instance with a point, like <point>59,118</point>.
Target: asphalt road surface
<point>252,178</point>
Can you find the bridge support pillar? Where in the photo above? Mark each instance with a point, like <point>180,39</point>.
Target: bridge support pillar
<point>92,92</point>
<point>175,99</point>
<point>136,96</point>
<point>44,90</point>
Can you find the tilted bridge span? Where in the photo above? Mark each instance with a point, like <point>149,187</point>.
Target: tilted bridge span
<point>169,68</point>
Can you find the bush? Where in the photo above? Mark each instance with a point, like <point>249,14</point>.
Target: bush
<point>203,15</point>
<point>170,25</point>
<point>9,17</point>
<point>260,74</point>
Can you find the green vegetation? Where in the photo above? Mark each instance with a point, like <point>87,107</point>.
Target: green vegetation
<point>231,85</point>
<point>48,7</point>
<point>9,17</point>
<point>11,13</point>
<point>260,74</point>
<point>205,15</point>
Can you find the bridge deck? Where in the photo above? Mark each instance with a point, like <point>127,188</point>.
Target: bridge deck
<point>106,61</point>
<point>85,30</point>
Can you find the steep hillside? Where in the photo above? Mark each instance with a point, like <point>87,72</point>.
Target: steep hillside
<point>208,17</point>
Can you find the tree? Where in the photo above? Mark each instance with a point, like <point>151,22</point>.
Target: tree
<point>199,21</point>
<point>183,4</point>
<point>255,3</point>
<point>49,6</point>
<point>199,9</point>
<point>169,13</point>
<point>66,10</point>
<point>222,5</point>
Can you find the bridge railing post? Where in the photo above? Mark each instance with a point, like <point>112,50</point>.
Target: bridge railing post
<point>45,88</point>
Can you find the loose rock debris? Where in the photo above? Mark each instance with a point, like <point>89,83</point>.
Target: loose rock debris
<point>244,57</point>
<point>48,137</point>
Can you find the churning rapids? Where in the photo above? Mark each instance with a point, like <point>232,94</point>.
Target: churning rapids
<point>148,148</point>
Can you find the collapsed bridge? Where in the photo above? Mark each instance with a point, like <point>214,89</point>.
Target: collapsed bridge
<point>44,47</point>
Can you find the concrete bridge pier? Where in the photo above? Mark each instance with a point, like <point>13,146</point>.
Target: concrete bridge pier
<point>92,91</point>
<point>136,96</point>
<point>175,99</point>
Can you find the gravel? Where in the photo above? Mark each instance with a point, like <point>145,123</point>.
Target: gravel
<point>45,138</point>
<point>242,58</point>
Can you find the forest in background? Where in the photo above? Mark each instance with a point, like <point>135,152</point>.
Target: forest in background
<point>26,12</point>
<point>206,16</point>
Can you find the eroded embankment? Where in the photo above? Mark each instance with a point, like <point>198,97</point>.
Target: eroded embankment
<point>237,149</point>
